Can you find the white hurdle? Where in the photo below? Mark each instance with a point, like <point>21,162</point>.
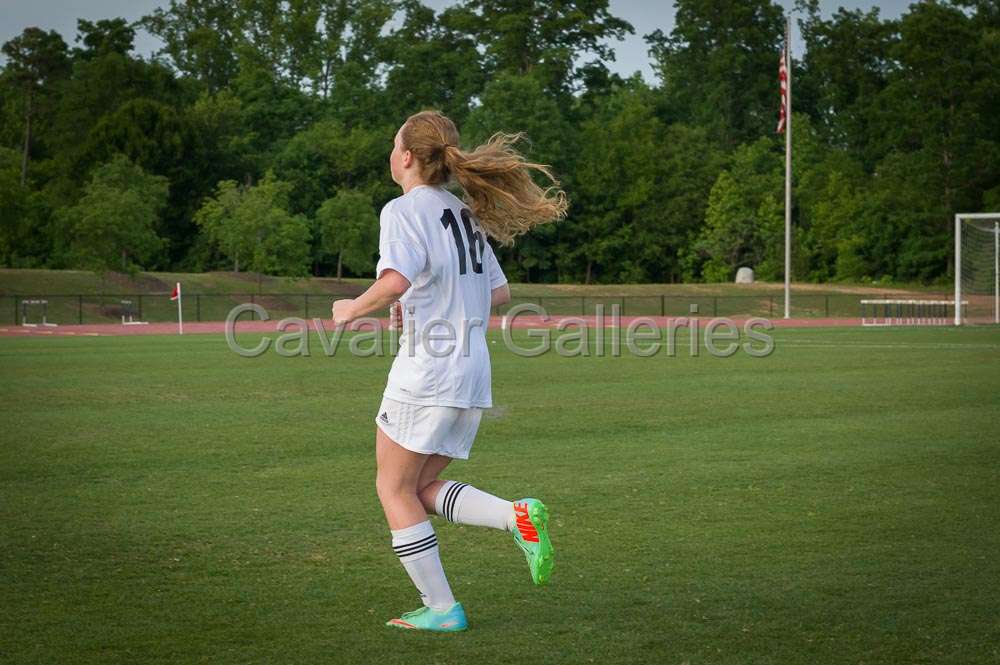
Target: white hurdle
<point>890,312</point>
<point>28,302</point>
<point>129,311</point>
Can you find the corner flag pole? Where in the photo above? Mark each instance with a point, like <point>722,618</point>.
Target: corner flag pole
<point>176,295</point>
<point>788,165</point>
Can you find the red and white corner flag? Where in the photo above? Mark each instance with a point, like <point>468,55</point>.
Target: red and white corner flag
<point>176,295</point>
<point>783,80</point>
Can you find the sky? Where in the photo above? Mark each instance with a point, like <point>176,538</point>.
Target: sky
<point>644,15</point>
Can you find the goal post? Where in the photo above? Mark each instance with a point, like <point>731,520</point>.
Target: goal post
<point>977,267</point>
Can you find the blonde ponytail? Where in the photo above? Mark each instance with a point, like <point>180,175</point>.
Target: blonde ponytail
<point>497,180</point>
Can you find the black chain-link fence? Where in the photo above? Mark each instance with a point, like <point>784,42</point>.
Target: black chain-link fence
<point>736,306</point>
<point>80,309</point>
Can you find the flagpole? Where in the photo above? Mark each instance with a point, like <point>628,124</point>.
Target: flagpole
<point>180,311</point>
<point>788,166</point>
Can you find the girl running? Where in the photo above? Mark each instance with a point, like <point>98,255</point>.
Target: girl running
<point>434,259</point>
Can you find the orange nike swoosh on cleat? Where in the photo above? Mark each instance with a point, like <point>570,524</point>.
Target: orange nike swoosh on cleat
<point>400,622</point>
<point>523,523</point>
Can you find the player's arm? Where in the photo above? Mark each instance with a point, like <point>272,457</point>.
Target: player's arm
<point>500,295</point>
<point>499,289</point>
<point>386,290</point>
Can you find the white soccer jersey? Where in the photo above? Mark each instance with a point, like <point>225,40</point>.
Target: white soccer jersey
<point>431,238</point>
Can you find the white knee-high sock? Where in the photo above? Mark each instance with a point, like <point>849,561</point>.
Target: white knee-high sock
<point>417,549</point>
<point>464,504</point>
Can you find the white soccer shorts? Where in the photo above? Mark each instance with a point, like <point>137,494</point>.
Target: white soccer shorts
<point>429,430</point>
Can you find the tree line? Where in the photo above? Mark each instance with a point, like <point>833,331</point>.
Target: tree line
<point>258,138</point>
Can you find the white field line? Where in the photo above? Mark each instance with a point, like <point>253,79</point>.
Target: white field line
<point>885,345</point>
<point>779,343</point>
<point>683,342</point>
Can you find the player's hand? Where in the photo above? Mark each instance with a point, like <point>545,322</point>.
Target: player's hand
<point>343,311</point>
<point>396,316</point>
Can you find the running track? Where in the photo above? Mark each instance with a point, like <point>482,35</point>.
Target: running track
<point>218,327</point>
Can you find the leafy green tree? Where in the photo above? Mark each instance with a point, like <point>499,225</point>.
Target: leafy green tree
<point>24,232</point>
<point>638,204</point>
<point>935,124</point>
<point>36,60</point>
<point>518,103</point>
<point>218,222</point>
<point>104,37</point>
<point>539,37</point>
<point>909,99</point>
<point>252,227</point>
<point>719,66</point>
<point>845,67</point>
<point>329,54</point>
<point>200,39</point>
<point>836,239</point>
<point>687,166</point>
<point>348,229</point>
<point>280,239</point>
<point>227,143</point>
<point>613,190</point>
<point>352,61</point>
<point>161,140</point>
<point>744,222</point>
<point>274,109</point>
<point>105,77</point>
<point>331,47</point>
<point>432,65</point>
<point>113,226</point>
<point>280,36</point>
<point>327,156</point>
<point>830,207</point>
<point>991,199</point>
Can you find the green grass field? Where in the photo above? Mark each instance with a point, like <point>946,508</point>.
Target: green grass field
<point>164,500</point>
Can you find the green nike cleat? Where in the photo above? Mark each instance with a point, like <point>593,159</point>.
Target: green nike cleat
<point>450,620</point>
<point>531,533</point>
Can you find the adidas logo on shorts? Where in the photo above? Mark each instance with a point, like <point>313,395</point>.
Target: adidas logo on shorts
<point>384,417</point>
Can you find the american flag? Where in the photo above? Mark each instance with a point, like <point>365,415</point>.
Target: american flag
<point>783,79</point>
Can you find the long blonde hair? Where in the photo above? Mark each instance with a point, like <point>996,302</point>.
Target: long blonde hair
<point>496,178</point>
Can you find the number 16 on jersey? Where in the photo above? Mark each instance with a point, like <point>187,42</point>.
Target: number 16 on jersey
<point>475,239</point>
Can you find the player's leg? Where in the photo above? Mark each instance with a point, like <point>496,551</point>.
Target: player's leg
<point>527,519</point>
<point>461,503</point>
<point>429,484</point>
<point>413,537</point>
<point>397,474</point>
<point>480,508</point>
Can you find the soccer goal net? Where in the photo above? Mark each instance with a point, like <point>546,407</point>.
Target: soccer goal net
<point>977,268</point>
